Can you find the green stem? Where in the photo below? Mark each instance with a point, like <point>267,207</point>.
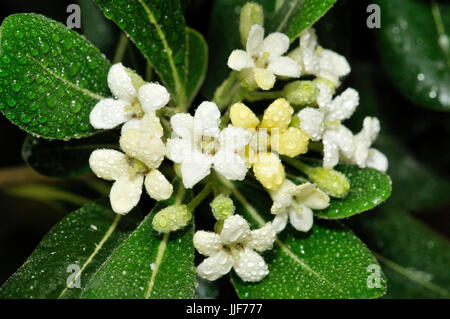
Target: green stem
<point>200,197</point>
<point>253,96</point>
<point>121,47</point>
<point>148,72</point>
<point>297,164</point>
<point>229,91</point>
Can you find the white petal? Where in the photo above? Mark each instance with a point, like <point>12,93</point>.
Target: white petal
<point>250,266</point>
<point>207,243</point>
<point>343,105</point>
<point>108,164</point>
<point>234,138</point>
<point>371,128</point>
<point>263,238</point>
<point>255,39</point>
<point>330,152</point>
<point>230,165</point>
<point>120,83</point>
<point>276,44</point>
<point>333,63</point>
<point>312,122</point>
<point>178,150</point>
<point>342,137</point>
<point>195,168</point>
<point>377,160</point>
<point>285,66</point>
<point>239,60</point>
<point>109,113</point>
<point>143,146</point>
<point>125,193</point>
<point>133,124</point>
<point>308,39</point>
<point>301,220</point>
<point>215,266</point>
<point>182,125</point>
<point>153,97</point>
<point>207,119</point>
<point>309,195</point>
<point>157,185</point>
<point>235,230</point>
<point>280,221</point>
<point>325,95</point>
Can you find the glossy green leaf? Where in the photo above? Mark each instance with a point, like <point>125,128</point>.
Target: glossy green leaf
<point>50,77</point>
<point>73,250</point>
<point>64,159</point>
<point>292,17</point>
<point>414,44</point>
<point>197,60</point>
<point>327,262</point>
<point>415,259</point>
<point>148,264</point>
<point>158,30</point>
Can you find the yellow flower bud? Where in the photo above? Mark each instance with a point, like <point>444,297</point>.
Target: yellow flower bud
<point>171,218</point>
<point>332,182</point>
<point>269,171</point>
<point>300,93</point>
<point>242,116</point>
<point>222,207</point>
<point>293,142</point>
<point>251,13</point>
<point>264,78</point>
<point>277,115</point>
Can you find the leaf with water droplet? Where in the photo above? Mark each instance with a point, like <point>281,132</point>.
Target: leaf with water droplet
<point>50,73</point>
<point>329,261</point>
<point>148,264</point>
<point>414,45</point>
<point>72,242</point>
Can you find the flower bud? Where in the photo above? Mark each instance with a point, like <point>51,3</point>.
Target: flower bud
<point>136,79</point>
<point>332,182</point>
<point>251,13</point>
<point>222,207</point>
<point>269,171</point>
<point>171,218</point>
<point>300,93</point>
<point>277,115</point>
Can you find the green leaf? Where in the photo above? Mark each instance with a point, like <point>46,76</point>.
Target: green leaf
<point>368,189</point>
<point>415,259</point>
<point>197,60</point>
<point>327,262</point>
<point>64,159</point>
<point>414,46</point>
<point>158,30</point>
<point>50,77</point>
<point>292,17</point>
<point>148,264</point>
<point>85,238</point>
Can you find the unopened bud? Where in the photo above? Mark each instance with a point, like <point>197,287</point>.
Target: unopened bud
<point>247,79</point>
<point>332,182</point>
<point>251,13</point>
<point>171,218</point>
<point>300,93</point>
<point>222,207</point>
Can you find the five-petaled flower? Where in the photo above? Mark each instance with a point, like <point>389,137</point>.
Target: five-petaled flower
<point>324,123</point>
<point>264,57</point>
<point>296,202</point>
<point>144,152</point>
<point>234,248</point>
<point>198,144</point>
<point>134,98</point>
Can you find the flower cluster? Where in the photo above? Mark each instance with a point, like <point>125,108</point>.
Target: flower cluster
<point>231,141</point>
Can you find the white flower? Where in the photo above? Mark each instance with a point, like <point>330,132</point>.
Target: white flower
<point>264,56</point>
<point>324,123</point>
<point>363,155</point>
<point>145,151</point>
<point>296,202</point>
<point>197,144</point>
<point>234,248</point>
<point>108,113</point>
<point>318,61</point>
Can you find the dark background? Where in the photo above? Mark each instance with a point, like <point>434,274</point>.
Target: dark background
<point>25,221</point>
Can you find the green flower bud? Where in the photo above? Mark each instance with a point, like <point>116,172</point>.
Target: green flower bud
<point>136,79</point>
<point>247,78</point>
<point>171,218</point>
<point>251,13</point>
<point>177,169</point>
<point>332,182</point>
<point>222,207</point>
<point>300,93</point>
<point>295,122</point>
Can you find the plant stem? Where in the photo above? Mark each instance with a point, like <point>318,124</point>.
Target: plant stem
<point>230,91</point>
<point>297,164</point>
<point>200,197</point>
<point>121,47</point>
<point>148,72</point>
<point>253,96</point>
